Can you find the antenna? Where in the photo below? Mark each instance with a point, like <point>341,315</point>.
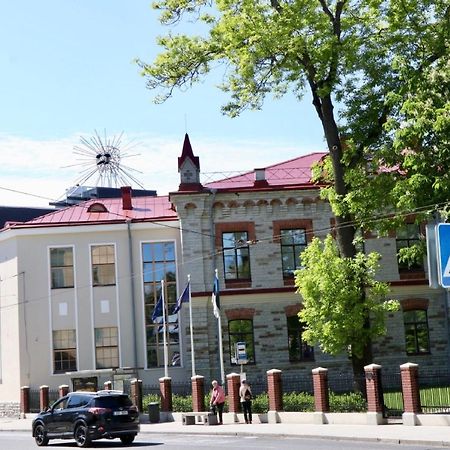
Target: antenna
<point>101,159</point>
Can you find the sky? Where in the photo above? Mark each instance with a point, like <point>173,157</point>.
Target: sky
<point>67,71</point>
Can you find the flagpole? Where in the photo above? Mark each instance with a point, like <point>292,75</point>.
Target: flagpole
<point>219,326</point>
<point>166,356</point>
<point>192,331</point>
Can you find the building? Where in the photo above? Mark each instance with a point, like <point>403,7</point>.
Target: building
<point>78,286</point>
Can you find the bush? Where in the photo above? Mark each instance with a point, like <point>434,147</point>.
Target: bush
<point>351,402</point>
<point>298,401</point>
<point>260,403</point>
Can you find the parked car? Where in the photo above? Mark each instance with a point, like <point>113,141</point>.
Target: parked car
<point>86,416</point>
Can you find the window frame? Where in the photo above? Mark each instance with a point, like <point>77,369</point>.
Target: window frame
<point>232,340</point>
<point>292,246</point>
<point>415,329</point>
<point>96,275</point>
<point>151,285</point>
<point>302,345</point>
<point>102,346</point>
<point>235,253</point>
<point>409,241</point>
<point>69,278</point>
<point>67,364</point>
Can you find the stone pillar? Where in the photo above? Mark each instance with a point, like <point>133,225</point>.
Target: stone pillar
<point>275,391</point>
<point>63,390</point>
<point>107,385</point>
<point>374,391</point>
<point>136,393</point>
<point>43,397</point>
<point>233,384</point>
<point>320,383</point>
<point>165,387</point>
<point>25,399</point>
<point>198,393</point>
<point>411,393</point>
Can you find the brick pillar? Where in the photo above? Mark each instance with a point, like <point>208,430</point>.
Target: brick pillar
<point>198,393</point>
<point>233,384</point>
<point>107,385</point>
<point>275,388</point>
<point>136,393</point>
<point>374,390</point>
<point>320,383</point>
<point>410,388</point>
<point>63,390</point>
<point>165,387</point>
<point>43,397</point>
<point>25,399</point>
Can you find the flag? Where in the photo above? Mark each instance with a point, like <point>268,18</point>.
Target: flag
<point>183,298</point>
<point>158,311</point>
<point>215,298</point>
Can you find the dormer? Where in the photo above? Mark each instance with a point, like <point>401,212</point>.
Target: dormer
<point>189,168</point>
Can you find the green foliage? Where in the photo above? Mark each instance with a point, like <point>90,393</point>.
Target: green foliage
<point>298,401</point>
<point>149,398</point>
<point>260,403</point>
<point>338,295</point>
<point>350,402</point>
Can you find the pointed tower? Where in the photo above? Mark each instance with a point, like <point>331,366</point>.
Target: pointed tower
<point>189,168</point>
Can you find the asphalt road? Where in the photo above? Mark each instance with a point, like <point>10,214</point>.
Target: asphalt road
<point>24,441</point>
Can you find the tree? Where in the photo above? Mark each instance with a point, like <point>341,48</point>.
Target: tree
<point>332,288</point>
<point>362,55</point>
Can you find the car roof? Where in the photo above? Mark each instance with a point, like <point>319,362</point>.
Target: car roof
<point>103,393</point>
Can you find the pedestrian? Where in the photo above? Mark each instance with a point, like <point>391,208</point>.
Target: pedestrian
<point>217,399</point>
<point>245,394</point>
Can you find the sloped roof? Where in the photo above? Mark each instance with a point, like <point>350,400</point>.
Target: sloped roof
<point>295,172</point>
<point>144,209</point>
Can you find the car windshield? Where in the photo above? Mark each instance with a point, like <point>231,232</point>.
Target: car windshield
<point>117,401</point>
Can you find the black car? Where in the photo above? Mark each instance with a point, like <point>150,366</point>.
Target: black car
<point>86,416</point>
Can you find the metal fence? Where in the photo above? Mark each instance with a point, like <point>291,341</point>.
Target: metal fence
<point>435,392</point>
<point>392,394</point>
<point>35,406</point>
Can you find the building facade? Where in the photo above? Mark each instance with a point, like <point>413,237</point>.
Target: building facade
<point>79,286</point>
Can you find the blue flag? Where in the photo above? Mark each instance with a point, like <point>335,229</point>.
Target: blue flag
<point>183,298</point>
<point>158,311</point>
<point>215,298</point>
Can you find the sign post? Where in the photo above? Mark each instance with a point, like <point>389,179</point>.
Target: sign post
<point>443,247</point>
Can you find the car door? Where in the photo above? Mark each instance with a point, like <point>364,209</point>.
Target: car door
<point>55,417</point>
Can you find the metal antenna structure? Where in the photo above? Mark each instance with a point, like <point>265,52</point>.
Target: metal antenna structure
<point>101,159</point>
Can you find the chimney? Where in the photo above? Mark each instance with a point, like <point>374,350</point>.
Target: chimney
<point>260,178</point>
<point>126,197</point>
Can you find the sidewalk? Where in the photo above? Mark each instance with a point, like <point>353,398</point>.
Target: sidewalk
<point>436,436</point>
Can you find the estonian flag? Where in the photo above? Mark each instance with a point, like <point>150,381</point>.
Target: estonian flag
<point>158,311</point>
<point>215,298</point>
<point>183,298</point>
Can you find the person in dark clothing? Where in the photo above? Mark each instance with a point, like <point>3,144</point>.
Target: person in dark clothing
<point>245,394</point>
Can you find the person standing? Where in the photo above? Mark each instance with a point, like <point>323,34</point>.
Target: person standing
<point>245,394</point>
<point>217,401</point>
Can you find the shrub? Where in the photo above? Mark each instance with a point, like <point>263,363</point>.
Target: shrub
<point>298,401</point>
<point>351,402</point>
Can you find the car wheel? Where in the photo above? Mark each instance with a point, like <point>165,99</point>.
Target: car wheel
<point>40,436</point>
<point>127,439</point>
<point>81,436</point>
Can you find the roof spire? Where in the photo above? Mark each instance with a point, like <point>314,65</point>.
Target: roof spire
<point>189,168</point>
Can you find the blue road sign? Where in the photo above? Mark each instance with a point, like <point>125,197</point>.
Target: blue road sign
<point>443,246</point>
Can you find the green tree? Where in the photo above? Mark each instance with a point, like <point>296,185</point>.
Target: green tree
<point>369,57</point>
<point>332,287</point>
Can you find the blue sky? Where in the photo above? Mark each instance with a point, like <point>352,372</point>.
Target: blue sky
<point>66,70</point>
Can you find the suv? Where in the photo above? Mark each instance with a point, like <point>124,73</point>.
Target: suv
<point>86,416</point>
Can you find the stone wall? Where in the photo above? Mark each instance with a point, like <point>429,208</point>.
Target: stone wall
<point>9,409</point>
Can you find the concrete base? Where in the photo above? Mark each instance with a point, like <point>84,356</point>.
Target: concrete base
<point>409,419</point>
<point>374,418</point>
<point>273,417</point>
<point>318,418</point>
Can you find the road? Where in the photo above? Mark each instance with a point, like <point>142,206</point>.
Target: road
<point>23,441</point>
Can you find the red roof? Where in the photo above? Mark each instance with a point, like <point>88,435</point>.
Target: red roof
<point>295,172</point>
<point>144,209</point>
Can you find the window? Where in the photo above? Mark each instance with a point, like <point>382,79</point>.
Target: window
<point>236,255</point>
<point>407,236</point>
<point>64,351</point>
<point>159,264</point>
<point>103,265</point>
<point>293,242</point>
<point>61,264</point>
<point>416,331</point>
<point>106,348</point>
<point>241,330</point>
<point>298,349</point>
